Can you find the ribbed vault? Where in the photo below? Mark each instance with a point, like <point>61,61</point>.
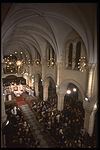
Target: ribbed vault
<point>29,23</point>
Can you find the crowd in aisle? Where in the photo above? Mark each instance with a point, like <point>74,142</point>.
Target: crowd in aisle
<point>65,126</point>
<point>17,131</point>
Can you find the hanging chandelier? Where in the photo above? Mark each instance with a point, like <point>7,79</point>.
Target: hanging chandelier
<point>37,61</point>
<point>51,62</point>
<point>18,63</point>
<point>82,65</point>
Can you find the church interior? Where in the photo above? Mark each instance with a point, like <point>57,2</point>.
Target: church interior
<point>49,75</point>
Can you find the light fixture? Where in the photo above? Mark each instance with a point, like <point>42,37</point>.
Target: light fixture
<point>26,73</point>
<point>82,65</point>
<point>7,122</point>
<point>95,106</point>
<point>10,63</point>
<point>68,92</point>
<point>74,89</point>
<point>18,63</point>
<point>56,86</point>
<point>32,80</point>
<point>86,99</point>
<point>37,61</point>
<point>51,62</point>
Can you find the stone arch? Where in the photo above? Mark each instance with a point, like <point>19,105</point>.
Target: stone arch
<point>83,47</point>
<point>49,79</point>
<point>50,75</point>
<point>49,88</point>
<point>74,38</point>
<point>63,87</point>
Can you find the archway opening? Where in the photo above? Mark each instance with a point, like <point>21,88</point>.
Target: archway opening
<point>51,95</point>
<point>73,108</point>
<point>51,89</point>
<point>72,96</point>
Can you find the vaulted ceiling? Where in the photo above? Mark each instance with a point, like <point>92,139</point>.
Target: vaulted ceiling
<point>29,27</point>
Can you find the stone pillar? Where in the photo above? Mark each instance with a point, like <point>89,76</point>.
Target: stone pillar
<point>91,80</point>
<point>91,123</point>
<point>92,95</point>
<point>45,91</point>
<point>88,107</point>
<point>36,88</point>
<point>86,120</point>
<point>3,113</point>
<point>60,67</point>
<point>60,104</point>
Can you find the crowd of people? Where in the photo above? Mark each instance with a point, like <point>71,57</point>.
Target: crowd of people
<point>17,131</point>
<point>65,126</point>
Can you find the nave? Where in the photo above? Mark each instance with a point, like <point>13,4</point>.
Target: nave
<point>37,124</point>
<point>49,75</point>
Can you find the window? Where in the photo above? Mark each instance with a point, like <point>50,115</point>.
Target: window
<point>70,56</point>
<point>78,53</point>
<point>50,56</point>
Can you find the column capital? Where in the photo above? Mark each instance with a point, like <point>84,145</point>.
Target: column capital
<point>91,65</point>
<point>87,106</point>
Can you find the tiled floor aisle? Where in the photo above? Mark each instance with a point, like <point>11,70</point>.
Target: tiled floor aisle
<point>45,140</point>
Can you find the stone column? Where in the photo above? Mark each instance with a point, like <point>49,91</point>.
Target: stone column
<point>60,103</point>
<point>3,113</point>
<point>45,91</point>
<point>91,123</point>
<point>36,87</point>
<point>91,80</point>
<point>88,109</point>
<point>86,120</point>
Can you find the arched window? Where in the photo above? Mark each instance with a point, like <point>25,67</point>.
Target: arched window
<point>78,53</point>
<point>50,56</point>
<point>70,55</point>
